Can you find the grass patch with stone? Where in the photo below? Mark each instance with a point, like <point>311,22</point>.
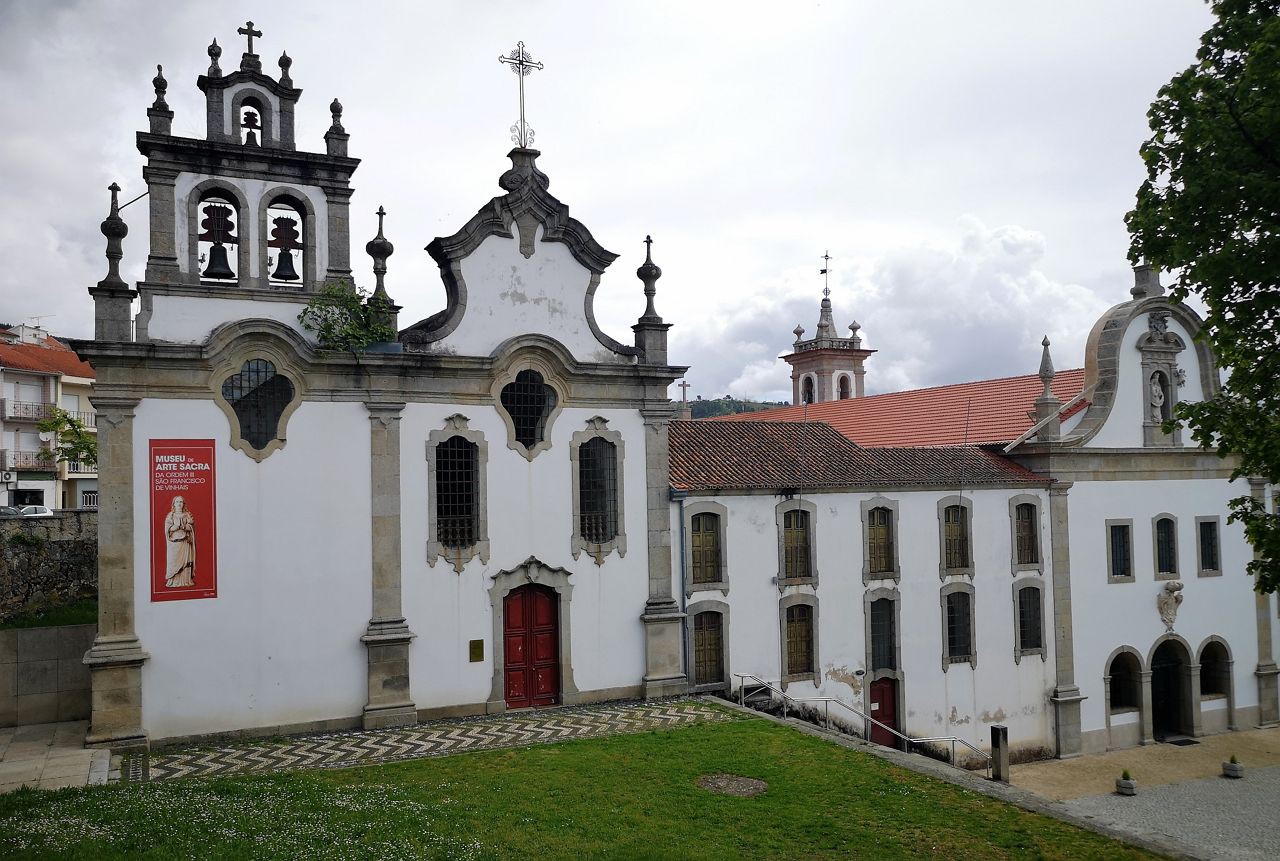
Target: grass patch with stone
<point>82,612</point>
<point>626,796</point>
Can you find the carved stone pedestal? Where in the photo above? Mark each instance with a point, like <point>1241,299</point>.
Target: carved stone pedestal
<point>389,701</point>
<point>115,667</point>
<point>663,649</point>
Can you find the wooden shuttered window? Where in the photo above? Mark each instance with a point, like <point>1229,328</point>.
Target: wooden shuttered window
<point>1027,534</point>
<point>796,547</point>
<point>799,639</point>
<point>956,536</point>
<point>880,540</point>
<point>704,548</point>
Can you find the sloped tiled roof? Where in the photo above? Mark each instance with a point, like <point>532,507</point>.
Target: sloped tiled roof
<point>986,411</point>
<point>53,357</point>
<point>707,455</point>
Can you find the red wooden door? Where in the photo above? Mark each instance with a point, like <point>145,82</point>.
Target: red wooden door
<point>884,708</point>
<point>531,635</point>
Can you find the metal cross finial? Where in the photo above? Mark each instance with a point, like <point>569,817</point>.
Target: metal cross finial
<point>247,30</point>
<point>684,391</point>
<point>521,64</point>
<point>648,247</point>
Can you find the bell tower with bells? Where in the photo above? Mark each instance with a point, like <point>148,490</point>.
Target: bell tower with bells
<point>242,213</point>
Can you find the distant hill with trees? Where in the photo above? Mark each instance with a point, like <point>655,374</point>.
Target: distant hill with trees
<point>727,406</point>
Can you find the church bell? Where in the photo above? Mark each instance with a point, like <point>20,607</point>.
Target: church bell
<point>284,268</point>
<point>218,267</point>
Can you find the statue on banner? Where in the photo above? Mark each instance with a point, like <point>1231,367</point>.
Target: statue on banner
<point>180,533</point>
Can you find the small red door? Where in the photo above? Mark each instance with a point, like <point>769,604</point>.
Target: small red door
<point>884,708</point>
<point>531,648</point>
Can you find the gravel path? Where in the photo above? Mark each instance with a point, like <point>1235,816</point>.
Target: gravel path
<point>1221,818</point>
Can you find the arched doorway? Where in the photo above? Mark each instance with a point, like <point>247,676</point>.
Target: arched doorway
<point>531,647</point>
<point>1171,690</point>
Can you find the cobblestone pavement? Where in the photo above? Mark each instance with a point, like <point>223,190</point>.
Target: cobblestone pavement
<point>49,756</point>
<point>440,738</point>
<point>1219,818</point>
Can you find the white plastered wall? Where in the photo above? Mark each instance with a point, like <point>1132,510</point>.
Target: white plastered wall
<point>509,295</point>
<point>961,701</point>
<point>280,644</point>
<point>190,319</point>
<point>529,514</point>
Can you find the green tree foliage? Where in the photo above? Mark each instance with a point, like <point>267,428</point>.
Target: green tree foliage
<point>72,441</point>
<point>1209,208</point>
<point>727,406</point>
<point>347,318</point>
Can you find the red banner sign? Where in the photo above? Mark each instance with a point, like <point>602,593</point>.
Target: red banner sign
<point>184,534</point>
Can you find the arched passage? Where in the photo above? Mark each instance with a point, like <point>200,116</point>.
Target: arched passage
<point>1173,707</point>
<point>1216,687</point>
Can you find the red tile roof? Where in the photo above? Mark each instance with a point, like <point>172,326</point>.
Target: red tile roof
<point>986,411</point>
<point>708,455</point>
<point>53,357</point>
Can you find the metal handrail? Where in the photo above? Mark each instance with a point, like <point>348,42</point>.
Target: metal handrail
<point>826,701</point>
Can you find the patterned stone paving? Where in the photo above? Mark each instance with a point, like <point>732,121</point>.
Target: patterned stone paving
<point>440,738</point>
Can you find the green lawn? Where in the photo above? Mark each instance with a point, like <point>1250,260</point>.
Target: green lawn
<point>83,612</point>
<point>630,796</point>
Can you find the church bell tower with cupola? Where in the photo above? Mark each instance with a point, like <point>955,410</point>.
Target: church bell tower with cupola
<point>242,213</point>
<point>826,367</point>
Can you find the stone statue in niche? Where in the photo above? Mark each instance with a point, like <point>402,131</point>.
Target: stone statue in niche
<point>1157,398</point>
<point>1168,601</point>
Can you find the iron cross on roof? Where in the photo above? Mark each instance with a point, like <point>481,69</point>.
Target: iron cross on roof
<point>247,30</point>
<point>521,64</point>
<point>684,391</point>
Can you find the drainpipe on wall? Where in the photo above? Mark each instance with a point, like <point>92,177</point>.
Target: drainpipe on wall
<point>680,496</point>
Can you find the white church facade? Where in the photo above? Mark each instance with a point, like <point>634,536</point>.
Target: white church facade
<point>528,524</point>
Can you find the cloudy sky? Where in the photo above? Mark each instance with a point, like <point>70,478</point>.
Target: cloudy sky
<point>967,164</point>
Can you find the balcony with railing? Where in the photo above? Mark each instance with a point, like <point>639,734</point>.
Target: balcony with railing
<point>88,499</point>
<point>34,460</point>
<point>76,469</point>
<point>27,411</point>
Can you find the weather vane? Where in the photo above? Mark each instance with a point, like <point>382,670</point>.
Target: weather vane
<point>521,64</point>
<point>825,272</point>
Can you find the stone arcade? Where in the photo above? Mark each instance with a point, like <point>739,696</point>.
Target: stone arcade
<point>524,524</point>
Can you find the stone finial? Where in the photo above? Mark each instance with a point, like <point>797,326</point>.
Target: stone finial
<point>1046,368</point>
<point>335,108</point>
<point>1146,282</point>
<point>380,248</point>
<point>649,273</point>
<point>798,331</point>
<point>335,139</point>
<point>215,71</point>
<point>162,87</point>
<point>285,62</point>
<point>854,328</point>
<point>1047,405</point>
<point>114,228</point>
<point>826,323</point>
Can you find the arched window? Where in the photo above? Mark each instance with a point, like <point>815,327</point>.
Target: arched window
<point>1215,670</point>
<point>806,388</point>
<point>1026,530</point>
<point>956,536</point>
<point>457,512</point>
<point>959,626</point>
<point>218,238</point>
<point>845,391</point>
<point>799,639</point>
<point>880,540</point>
<point>797,562</point>
<point>259,396</point>
<point>286,243</point>
<point>528,400</point>
<point>884,639</point>
<point>251,126</point>
<point>598,490</point>
<point>704,548</point>
<point>1125,674</point>
<point>1166,546</point>
<point>1030,620</point>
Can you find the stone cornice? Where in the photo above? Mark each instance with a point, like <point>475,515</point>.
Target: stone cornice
<point>225,159</point>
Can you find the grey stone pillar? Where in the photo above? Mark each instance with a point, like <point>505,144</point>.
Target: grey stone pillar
<point>116,657</point>
<point>1193,701</point>
<point>822,392</point>
<point>663,619</point>
<point>1000,753</point>
<point>1148,722</point>
<point>1066,696</point>
<point>338,204</point>
<point>162,259</point>
<point>388,636</point>
<point>859,380</point>
<point>1266,672</point>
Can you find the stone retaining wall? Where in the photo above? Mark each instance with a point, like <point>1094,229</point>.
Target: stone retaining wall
<point>47,561</point>
<point>42,674</point>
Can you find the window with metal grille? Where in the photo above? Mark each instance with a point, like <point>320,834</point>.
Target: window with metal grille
<point>456,484</point>
<point>1030,621</point>
<point>795,544</point>
<point>258,396</point>
<point>1166,546</point>
<point>1121,555</point>
<point>880,540</point>
<point>959,630</point>
<point>598,490</point>
<point>704,548</point>
<point>956,531</point>
<point>1208,546</point>
<point>708,649</point>
<point>1027,532</point>
<point>799,639</point>
<point>883,638</point>
<point>528,400</point>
